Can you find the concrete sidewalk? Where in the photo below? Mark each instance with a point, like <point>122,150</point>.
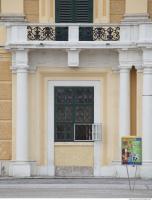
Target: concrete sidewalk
<point>74,187</point>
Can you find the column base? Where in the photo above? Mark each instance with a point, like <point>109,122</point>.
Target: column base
<point>143,17</point>
<point>22,168</point>
<point>120,170</point>
<point>143,171</point>
<point>146,170</point>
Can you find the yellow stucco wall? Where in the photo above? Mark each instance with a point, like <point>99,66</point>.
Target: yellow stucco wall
<point>101,11</point>
<point>74,154</point>
<point>150,8</point>
<point>31,10</point>
<point>82,153</point>
<point>117,10</point>
<point>14,7</point>
<point>2,34</point>
<point>139,102</point>
<point>47,11</point>
<point>5,106</point>
<point>136,6</point>
<point>133,101</point>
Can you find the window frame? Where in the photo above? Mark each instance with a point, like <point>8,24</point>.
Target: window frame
<point>74,105</point>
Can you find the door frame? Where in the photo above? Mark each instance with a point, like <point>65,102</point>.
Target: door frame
<point>50,122</point>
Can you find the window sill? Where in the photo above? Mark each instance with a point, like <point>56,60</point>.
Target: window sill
<point>74,143</point>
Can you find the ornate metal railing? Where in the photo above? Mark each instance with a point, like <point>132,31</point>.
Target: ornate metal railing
<point>40,33</point>
<point>109,33</point>
<point>86,33</point>
<point>106,33</point>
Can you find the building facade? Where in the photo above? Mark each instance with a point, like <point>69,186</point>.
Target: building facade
<point>75,76</point>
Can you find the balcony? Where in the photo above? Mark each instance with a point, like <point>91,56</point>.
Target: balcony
<point>60,35</point>
<point>79,36</point>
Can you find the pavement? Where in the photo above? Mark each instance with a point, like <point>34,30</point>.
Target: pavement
<point>74,188</point>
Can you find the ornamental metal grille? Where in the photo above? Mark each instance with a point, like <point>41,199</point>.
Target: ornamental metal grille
<point>91,33</point>
<point>106,33</point>
<point>99,33</point>
<point>40,33</point>
<point>87,132</point>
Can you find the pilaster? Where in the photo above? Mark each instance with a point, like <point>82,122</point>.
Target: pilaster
<point>136,11</point>
<point>47,11</point>
<point>147,114</point>
<point>101,11</point>
<point>12,11</point>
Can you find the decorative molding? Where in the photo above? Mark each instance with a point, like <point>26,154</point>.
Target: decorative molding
<point>50,110</point>
<point>132,18</point>
<point>12,18</point>
<point>147,58</point>
<point>73,57</point>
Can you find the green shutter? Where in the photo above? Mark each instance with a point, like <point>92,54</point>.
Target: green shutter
<point>83,11</point>
<point>74,11</point>
<point>64,11</point>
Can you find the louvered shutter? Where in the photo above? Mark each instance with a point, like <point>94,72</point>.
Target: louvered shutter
<point>83,11</point>
<point>74,11</point>
<point>64,11</point>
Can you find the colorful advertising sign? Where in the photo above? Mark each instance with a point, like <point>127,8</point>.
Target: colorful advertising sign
<point>131,148</point>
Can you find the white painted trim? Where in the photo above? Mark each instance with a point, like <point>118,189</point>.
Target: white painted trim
<point>97,119</point>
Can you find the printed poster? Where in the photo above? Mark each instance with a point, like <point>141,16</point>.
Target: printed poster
<point>131,150</point>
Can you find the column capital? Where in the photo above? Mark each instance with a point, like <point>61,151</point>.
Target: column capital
<point>124,69</point>
<point>129,58</point>
<point>147,70</point>
<point>20,60</point>
<point>146,57</point>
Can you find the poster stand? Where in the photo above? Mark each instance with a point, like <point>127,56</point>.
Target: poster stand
<point>134,178</point>
<point>131,147</point>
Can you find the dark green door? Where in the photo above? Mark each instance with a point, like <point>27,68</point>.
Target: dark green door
<point>74,11</point>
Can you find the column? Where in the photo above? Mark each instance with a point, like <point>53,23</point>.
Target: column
<point>124,109</point>
<point>147,115</point>
<point>22,116</point>
<point>21,166</point>
<point>124,115</point>
<point>146,169</point>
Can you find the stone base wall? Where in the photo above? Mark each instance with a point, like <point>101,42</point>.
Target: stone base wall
<point>73,171</point>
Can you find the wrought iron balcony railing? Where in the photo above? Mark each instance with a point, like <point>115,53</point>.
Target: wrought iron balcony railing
<point>75,32</point>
